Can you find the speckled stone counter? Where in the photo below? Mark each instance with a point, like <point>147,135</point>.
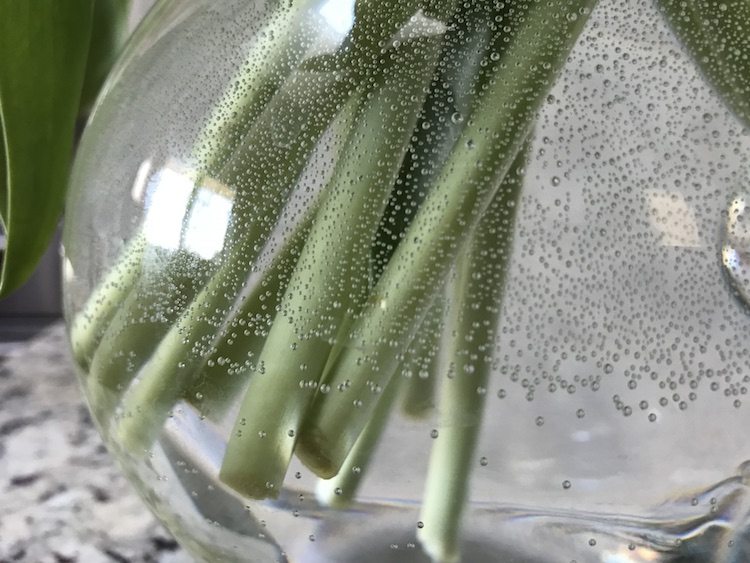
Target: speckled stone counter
<point>62,500</point>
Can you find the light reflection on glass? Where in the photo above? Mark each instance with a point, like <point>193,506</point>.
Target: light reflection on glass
<point>180,215</point>
<point>627,555</point>
<point>167,199</point>
<point>339,14</point>
<point>208,222</point>
<point>735,246</point>
<point>141,181</point>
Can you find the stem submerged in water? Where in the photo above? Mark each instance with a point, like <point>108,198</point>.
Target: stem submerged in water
<point>242,101</point>
<point>716,36</point>
<point>536,51</point>
<point>317,340</point>
<point>475,307</point>
<point>331,277</point>
<point>340,491</point>
<point>423,363</point>
<point>171,369</point>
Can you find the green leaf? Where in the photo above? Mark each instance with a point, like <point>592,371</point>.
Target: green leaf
<point>44,45</point>
<point>108,33</point>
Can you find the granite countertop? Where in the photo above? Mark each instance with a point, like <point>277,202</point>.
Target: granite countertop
<point>62,499</point>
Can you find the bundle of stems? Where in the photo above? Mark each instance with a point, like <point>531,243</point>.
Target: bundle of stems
<point>420,119</point>
<point>380,277</point>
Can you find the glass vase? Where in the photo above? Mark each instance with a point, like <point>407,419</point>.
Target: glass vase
<point>422,280</point>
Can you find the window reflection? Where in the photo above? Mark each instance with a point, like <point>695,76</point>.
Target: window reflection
<point>179,215</point>
<point>339,14</point>
<point>208,221</point>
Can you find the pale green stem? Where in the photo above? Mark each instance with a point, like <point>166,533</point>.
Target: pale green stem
<point>331,276</point>
<point>265,68</point>
<point>538,47</point>
<point>462,72</point>
<point>220,376</point>
<point>169,372</point>
<point>90,323</point>
<point>341,490</point>
<point>278,50</point>
<point>422,366</point>
<point>467,57</point>
<point>477,292</point>
<point>137,324</point>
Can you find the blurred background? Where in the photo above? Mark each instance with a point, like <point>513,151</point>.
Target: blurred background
<point>39,302</point>
<point>62,497</point>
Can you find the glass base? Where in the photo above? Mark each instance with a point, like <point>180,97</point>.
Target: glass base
<point>711,525</point>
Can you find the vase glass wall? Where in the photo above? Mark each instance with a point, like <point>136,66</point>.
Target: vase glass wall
<point>333,301</point>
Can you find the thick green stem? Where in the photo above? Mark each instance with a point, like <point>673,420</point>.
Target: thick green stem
<point>341,490</point>
<point>91,322</point>
<point>466,58</point>
<point>169,372</point>
<point>477,293</point>
<point>422,364</point>
<point>462,71</point>
<point>220,376</point>
<point>277,51</point>
<point>331,277</point>
<point>137,323</point>
<point>538,46</point>
<point>265,68</point>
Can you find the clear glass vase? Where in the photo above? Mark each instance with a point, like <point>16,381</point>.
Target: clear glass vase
<point>422,280</point>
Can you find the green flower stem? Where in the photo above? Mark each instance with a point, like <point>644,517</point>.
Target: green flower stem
<point>223,374</point>
<point>717,37</point>
<point>138,324</point>
<point>537,49</point>
<point>169,372</point>
<point>340,491</point>
<point>423,364</point>
<point>245,97</point>
<point>331,276</point>
<point>475,309</point>
<point>221,144</point>
<point>90,323</point>
<point>465,57</point>
<point>278,51</point>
